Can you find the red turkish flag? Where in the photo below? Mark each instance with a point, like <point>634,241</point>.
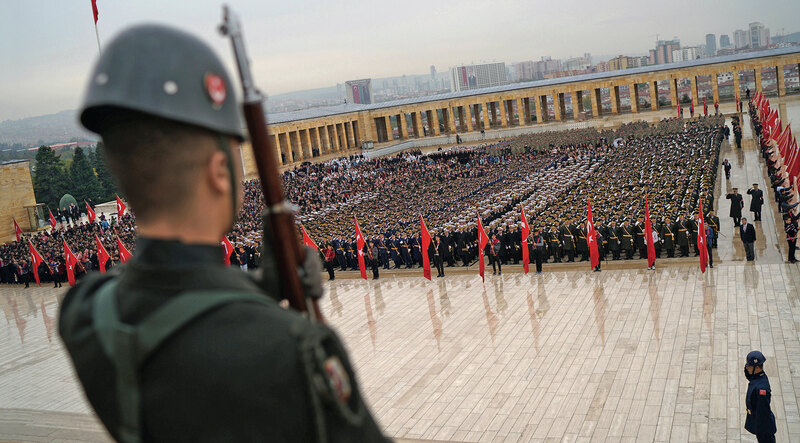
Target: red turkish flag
<point>102,255</point>
<point>426,243</point>
<point>36,260</point>
<point>648,235</point>
<point>17,230</point>
<point>120,207</point>
<point>591,238</point>
<point>94,11</point>
<point>701,236</point>
<point>71,261</point>
<point>90,213</point>
<point>52,219</point>
<point>227,250</point>
<point>124,253</point>
<point>526,231</point>
<point>483,239</point>
<point>308,241</point>
<point>360,242</point>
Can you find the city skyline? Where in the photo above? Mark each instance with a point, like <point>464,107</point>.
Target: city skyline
<point>48,50</point>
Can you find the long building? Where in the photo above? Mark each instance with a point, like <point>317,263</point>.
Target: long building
<point>301,135</point>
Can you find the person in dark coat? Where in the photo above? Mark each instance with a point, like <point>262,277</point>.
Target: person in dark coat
<point>330,256</point>
<point>760,420</point>
<point>748,234</point>
<point>176,346</point>
<point>790,227</point>
<point>727,166</point>
<point>737,203</point>
<point>437,251</point>
<point>756,201</point>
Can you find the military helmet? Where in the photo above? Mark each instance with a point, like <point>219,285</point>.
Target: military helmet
<point>162,72</point>
<point>755,358</point>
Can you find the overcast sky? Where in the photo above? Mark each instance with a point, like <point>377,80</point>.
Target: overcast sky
<point>47,47</point>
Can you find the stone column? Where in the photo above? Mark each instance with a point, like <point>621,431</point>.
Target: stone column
<point>614,95</point>
<point>758,80</point>
<point>527,106</point>
<point>493,108</point>
<point>279,149</point>
<point>714,88</point>
<point>562,104</point>
<point>451,120</point>
<point>633,90</point>
<point>334,140</point>
<point>462,126</point>
<point>433,122</point>
<point>540,110</point>
<point>356,134</point>
<point>737,87</point>
<point>402,126</point>
<point>416,121</point>
<point>316,140</point>
<point>341,137</point>
<point>781,81</point>
<point>545,110</point>
<point>324,141</point>
<point>487,124</point>
<point>597,103</point>
<point>503,118</point>
<point>556,108</point>
<point>693,90</point>
<point>523,119</point>
<point>467,115</point>
<point>294,142</point>
<point>307,143</point>
<point>388,123</point>
<point>654,95</point>
<point>348,129</point>
<point>575,104</point>
<point>673,91</point>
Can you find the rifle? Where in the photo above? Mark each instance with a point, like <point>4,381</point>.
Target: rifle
<point>279,227</point>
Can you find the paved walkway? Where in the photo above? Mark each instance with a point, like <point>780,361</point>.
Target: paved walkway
<point>627,354</point>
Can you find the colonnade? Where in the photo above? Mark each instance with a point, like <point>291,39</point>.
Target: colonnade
<point>528,104</point>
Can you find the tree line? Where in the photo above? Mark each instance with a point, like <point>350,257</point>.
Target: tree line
<point>86,177</point>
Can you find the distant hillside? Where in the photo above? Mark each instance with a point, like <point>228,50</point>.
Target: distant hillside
<point>44,129</point>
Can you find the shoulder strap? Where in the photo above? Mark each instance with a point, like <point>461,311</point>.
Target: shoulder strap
<point>128,346</point>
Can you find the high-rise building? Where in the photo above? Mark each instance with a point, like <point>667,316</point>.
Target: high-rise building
<point>724,41</point>
<point>433,72</point>
<point>663,51</point>
<point>741,38</point>
<point>685,54</point>
<point>578,63</point>
<point>477,76</point>
<point>759,35</point>
<point>711,45</point>
<point>360,91</point>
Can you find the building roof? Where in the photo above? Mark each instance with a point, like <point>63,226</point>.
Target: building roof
<point>328,111</point>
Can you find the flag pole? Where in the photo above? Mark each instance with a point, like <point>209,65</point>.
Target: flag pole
<point>97,34</point>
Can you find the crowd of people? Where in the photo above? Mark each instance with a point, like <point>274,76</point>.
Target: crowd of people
<point>551,175</point>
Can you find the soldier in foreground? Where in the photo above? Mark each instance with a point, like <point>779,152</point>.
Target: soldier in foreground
<point>174,346</point>
<point>760,420</point>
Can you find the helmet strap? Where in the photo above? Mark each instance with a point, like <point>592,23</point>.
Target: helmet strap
<point>225,147</point>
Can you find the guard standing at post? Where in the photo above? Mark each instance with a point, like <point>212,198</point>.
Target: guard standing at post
<point>760,420</point>
<point>175,346</point>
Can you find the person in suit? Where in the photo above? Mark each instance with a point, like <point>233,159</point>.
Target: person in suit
<point>757,199</point>
<point>737,203</point>
<point>438,255</point>
<point>748,234</point>
<point>330,256</point>
<point>372,255</point>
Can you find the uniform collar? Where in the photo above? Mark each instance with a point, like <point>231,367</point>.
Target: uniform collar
<point>151,251</point>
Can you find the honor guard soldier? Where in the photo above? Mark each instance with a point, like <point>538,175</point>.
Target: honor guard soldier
<point>174,345</point>
<point>554,244</point>
<point>760,420</point>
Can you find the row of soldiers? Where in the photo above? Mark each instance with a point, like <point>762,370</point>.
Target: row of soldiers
<point>564,243</point>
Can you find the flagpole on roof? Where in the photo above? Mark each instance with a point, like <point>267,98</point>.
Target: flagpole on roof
<point>95,14</point>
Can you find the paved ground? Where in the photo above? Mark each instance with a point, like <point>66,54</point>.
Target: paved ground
<point>626,354</point>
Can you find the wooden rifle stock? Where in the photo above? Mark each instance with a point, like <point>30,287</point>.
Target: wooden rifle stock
<point>283,234</point>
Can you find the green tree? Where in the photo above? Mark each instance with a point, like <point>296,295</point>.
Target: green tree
<point>83,182</point>
<point>107,186</point>
<point>50,180</point>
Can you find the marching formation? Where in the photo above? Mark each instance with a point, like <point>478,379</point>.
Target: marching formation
<point>550,175</point>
